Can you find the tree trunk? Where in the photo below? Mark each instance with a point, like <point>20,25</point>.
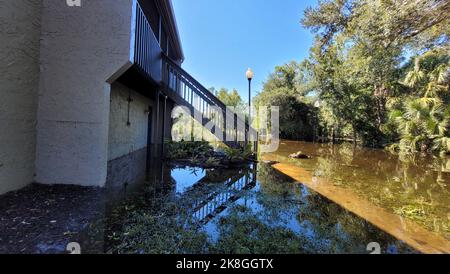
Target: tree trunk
<point>333,135</point>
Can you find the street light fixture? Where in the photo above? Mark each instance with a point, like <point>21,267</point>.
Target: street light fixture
<point>249,75</point>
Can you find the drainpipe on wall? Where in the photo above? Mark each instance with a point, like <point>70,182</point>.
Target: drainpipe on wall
<point>163,124</point>
<point>157,117</point>
<point>129,100</point>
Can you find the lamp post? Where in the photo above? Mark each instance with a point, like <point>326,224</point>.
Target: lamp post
<point>249,75</point>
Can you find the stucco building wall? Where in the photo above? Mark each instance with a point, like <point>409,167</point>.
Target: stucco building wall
<point>19,77</point>
<point>125,139</point>
<point>82,48</point>
<point>58,72</point>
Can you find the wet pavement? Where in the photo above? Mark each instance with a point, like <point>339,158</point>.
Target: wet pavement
<point>41,219</point>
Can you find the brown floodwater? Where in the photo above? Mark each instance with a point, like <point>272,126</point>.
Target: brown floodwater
<point>408,196</point>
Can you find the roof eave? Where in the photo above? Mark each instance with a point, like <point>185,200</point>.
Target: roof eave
<point>169,14</point>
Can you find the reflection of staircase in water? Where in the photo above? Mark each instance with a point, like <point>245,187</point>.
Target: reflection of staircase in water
<point>205,205</point>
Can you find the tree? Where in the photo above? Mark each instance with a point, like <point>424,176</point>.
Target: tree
<point>358,61</point>
<point>423,119</point>
<point>231,99</point>
<point>383,22</point>
<point>286,88</point>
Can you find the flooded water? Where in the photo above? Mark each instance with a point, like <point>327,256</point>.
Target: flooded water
<point>247,210</point>
<point>415,187</point>
<point>339,201</point>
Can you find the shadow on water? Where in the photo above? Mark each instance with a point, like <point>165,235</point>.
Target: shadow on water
<point>246,210</point>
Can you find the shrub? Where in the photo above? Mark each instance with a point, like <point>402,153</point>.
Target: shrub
<point>188,150</point>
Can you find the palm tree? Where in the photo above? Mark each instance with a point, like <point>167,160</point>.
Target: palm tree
<point>416,76</point>
<point>423,122</point>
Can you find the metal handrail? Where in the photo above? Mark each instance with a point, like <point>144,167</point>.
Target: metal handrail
<point>150,60</point>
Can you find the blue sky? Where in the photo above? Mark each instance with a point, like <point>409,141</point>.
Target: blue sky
<point>222,38</point>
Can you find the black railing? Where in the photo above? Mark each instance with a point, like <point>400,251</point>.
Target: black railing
<point>204,203</point>
<point>194,95</point>
<point>147,52</point>
<point>183,89</point>
<point>217,202</point>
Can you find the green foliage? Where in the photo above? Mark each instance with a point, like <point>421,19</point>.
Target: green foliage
<point>243,233</point>
<point>238,154</point>
<point>152,234</point>
<point>380,23</point>
<point>363,86</point>
<point>286,88</point>
<point>230,98</point>
<point>423,117</point>
<point>212,162</point>
<point>188,150</point>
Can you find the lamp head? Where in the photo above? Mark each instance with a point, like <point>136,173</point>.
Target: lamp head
<point>249,74</point>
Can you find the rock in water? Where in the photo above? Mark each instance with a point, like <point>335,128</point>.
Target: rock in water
<point>299,155</point>
<point>270,162</point>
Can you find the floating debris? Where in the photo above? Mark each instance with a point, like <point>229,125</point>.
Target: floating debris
<point>299,155</point>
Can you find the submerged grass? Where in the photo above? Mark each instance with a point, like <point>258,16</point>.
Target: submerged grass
<point>145,234</point>
<point>171,230</point>
<point>241,232</point>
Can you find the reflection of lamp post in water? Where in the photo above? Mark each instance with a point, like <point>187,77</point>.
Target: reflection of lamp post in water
<point>249,75</point>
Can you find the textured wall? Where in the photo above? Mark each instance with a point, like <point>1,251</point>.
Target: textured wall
<point>124,139</point>
<point>81,48</point>
<point>19,77</point>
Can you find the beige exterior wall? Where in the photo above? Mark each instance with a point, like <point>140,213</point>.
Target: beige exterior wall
<point>57,64</point>
<point>19,77</point>
<point>125,139</point>
<point>81,49</point>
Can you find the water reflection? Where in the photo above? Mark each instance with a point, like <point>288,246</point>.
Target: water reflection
<point>413,186</point>
<point>186,177</point>
<point>248,210</point>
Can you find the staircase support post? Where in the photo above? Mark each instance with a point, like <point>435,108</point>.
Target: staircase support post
<point>163,125</point>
